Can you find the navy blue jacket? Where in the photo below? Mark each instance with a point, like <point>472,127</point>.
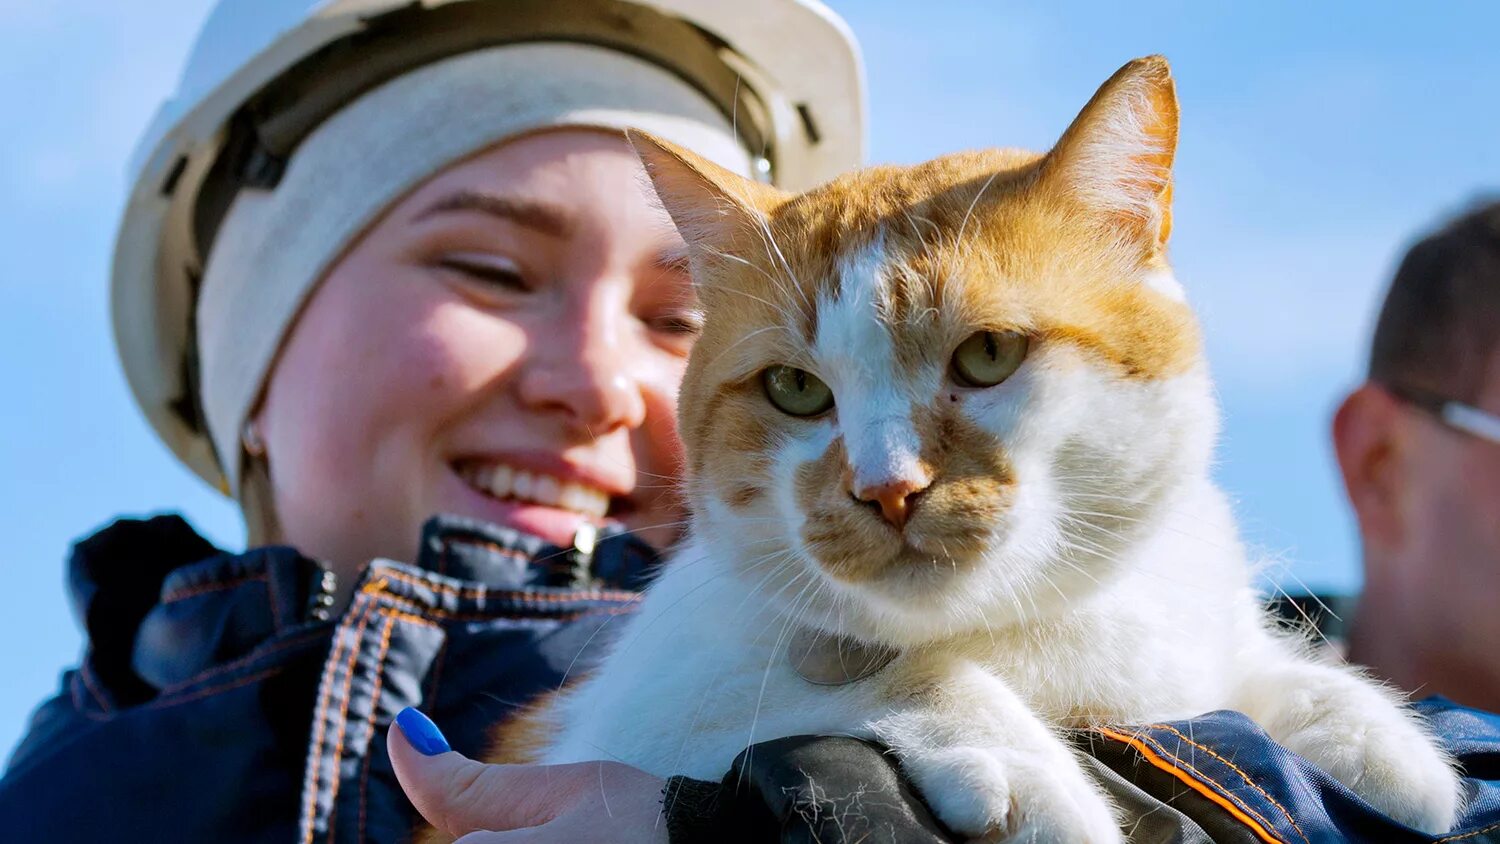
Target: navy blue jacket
<point>217,701</point>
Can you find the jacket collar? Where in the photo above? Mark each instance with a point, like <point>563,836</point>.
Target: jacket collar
<point>505,558</point>
<point>160,604</point>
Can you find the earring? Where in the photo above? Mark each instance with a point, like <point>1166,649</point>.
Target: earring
<point>251,440</point>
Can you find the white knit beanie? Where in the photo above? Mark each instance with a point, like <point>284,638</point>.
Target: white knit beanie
<point>276,245</point>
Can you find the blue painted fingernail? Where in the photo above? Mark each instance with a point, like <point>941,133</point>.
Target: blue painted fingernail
<point>421,732</point>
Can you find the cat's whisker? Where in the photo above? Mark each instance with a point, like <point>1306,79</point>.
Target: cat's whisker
<point>743,261</point>
<point>775,652</point>
<point>789,562</point>
<point>749,336</point>
<point>770,238</point>
<point>713,683</point>
<point>667,611</point>
<point>1310,625</point>
<point>1075,567</point>
<point>780,309</point>
<point>1163,525</point>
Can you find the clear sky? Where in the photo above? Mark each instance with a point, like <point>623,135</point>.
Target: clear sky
<point>1318,139</point>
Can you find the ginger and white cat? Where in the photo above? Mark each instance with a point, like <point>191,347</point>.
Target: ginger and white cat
<point>959,413</point>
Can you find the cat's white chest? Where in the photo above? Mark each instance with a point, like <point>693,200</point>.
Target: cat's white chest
<point>696,678</point>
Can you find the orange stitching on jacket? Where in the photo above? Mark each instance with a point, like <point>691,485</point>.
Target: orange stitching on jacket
<point>1223,789</point>
<point>1490,828</point>
<point>374,589</point>
<point>364,773</point>
<point>272,596</point>
<point>350,664</point>
<point>87,675</point>
<point>1242,774</point>
<point>213,690</point>
<point>310,786</point>
<point>485,543</point>
<point>419,611</point>
<point>78,702</point>
<point>228,667</point>
<point>216,586</point>
<point>512,594</point>
<point>415,619</point>
<point>310,780</point>
<point>169,696</point>
<point>1224,801</point>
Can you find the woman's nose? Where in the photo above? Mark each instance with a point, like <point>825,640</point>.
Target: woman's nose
<point>583,371</point>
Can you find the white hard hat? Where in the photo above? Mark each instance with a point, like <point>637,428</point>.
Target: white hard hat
<point>264,73</point>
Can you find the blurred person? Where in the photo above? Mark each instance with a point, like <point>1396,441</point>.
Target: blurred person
<point>1419,447</point>
<point>391,276</point>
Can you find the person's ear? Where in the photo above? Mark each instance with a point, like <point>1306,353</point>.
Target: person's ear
<point>1367,440</point>
<point>257,504</point>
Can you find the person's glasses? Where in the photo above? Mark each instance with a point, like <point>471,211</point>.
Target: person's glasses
<point>1454,414</point>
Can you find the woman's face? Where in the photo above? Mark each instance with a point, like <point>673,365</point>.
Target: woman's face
<point>505,343</point>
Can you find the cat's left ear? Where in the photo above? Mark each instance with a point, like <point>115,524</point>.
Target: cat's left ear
<point>710,205</point>
<point>1116,157</point>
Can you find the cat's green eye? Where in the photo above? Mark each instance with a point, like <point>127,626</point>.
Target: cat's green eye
<point>796,392</point>
<point>988,357</point>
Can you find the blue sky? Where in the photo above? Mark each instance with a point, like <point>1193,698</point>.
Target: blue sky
<point>1318,139</point>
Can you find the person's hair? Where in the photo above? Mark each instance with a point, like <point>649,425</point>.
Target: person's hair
<point>1440,324</point>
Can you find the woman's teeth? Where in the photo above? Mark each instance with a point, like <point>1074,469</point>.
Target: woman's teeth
<point>501,481</point>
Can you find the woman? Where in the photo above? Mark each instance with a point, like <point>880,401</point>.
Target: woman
<point>391,276</point>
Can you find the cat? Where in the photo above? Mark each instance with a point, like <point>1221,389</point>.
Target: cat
<point>952,424</point>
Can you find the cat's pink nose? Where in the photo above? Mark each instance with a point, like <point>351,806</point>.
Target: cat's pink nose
<point>895,498</point>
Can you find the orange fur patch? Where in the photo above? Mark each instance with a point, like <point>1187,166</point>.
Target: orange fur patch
<point>426,834</point>
<point>522,738</point>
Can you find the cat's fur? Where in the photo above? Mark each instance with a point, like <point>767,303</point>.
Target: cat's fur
<point>1068,563</point>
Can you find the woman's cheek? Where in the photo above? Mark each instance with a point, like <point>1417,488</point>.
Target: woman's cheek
<point>461,349</point>
<point>659,453</point>
<point>660,387</point>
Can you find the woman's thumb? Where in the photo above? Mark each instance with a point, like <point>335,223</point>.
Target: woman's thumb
<point>454,793</point>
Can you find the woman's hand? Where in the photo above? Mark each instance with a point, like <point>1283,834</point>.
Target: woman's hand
<point>490,804</point>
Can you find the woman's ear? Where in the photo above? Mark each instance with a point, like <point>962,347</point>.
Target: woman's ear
<point>1366,439</point>
<point>251,438</point>
<point>255,495</point>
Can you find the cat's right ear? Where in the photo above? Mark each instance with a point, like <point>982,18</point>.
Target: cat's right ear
<point>709,204</point>
<point>1116,157</point>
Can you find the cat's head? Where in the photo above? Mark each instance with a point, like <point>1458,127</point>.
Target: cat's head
<point>938,397</point>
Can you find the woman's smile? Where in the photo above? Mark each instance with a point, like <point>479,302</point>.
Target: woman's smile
<point>553,505</point>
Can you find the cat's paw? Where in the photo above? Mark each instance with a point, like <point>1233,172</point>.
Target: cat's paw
<point>1389,761</point>
<point>993,794</point>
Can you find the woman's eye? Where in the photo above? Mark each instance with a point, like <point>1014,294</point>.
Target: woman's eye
<point>796,392</point>
<point>486,269</point>
<point>686,325</point>
<point>988,357</point>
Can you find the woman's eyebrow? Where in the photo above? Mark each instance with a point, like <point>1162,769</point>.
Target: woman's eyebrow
<point>540,216</point>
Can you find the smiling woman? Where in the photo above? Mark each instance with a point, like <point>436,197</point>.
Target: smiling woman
<point>505,343</point>
<point>392,277</point>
